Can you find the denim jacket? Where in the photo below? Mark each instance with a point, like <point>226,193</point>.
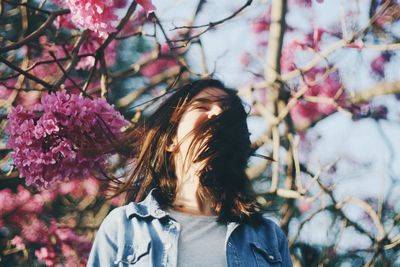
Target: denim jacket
<point>142,234</point>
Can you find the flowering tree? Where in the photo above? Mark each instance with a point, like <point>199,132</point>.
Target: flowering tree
<point>70,68</point>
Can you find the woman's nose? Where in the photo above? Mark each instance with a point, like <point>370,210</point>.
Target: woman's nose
<point>214,111</point>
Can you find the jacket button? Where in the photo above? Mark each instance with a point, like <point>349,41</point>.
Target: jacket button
<point>159,212</point>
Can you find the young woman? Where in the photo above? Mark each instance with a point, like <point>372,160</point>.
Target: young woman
<point>192,202</point>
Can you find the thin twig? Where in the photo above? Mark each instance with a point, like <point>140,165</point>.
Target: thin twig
<point>215,23</point>
<point>26,74</point>
<point>36,33</point>
<point>67,75</point>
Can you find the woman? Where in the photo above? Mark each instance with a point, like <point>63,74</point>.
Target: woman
<point>192,200</point>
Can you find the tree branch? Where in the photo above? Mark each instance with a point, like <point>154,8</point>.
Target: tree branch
<point>383,88</point>
<point>36,33</point>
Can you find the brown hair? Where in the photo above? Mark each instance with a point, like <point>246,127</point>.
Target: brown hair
<point>225,152</point>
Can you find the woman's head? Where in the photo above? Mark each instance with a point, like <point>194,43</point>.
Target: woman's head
<point>203,124</point>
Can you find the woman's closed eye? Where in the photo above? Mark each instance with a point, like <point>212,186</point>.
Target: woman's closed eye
<point>202,108</point>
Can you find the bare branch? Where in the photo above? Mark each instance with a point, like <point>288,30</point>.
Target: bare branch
<point>132,96</point>
<point>383,88</point>
<point>29,6</point>
<point>36,33</point>
<point>66,74</point>
<point>272,72</point>
<point>26,74</point>
<point>215,23</point>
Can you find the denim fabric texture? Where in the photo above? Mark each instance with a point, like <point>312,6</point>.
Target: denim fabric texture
<point>142,234</point>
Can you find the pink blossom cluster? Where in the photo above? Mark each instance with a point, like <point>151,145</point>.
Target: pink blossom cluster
<point>378,64</point>
<point>160,64</point>
<point>48,139</point>
<point>95,15</point>
<point>367,110</point>
<point>288,55</point>
<point>260,26</point>
<point>305,3</point>
<point>311,41</point>
<point>99,16</point>
<point>325,90</point>
<point>31,223</point>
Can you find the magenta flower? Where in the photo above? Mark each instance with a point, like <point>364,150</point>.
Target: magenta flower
<point>378,64</point>
<point>305,3</point>
<point>245,59</point>
<point>260,25</point>
<point>325,88</point>
<point>95,15</point>
<point>48,140</point>
<point>288,55</point>
<point>64,21</point>
<point>147,6</point>
<point>29,218</point>
<point>18,242</point>
<point>46,256</point>
<point>98,16</point>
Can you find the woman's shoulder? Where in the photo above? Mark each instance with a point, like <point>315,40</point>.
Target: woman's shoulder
<point>117,216</point>
<point>270,227</point>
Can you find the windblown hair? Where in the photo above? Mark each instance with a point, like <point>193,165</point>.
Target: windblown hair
<point>222,143</point>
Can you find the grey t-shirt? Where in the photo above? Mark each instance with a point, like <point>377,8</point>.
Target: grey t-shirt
<point>201,241</point>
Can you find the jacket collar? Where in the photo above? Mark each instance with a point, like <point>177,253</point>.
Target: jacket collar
<point>149,207</point>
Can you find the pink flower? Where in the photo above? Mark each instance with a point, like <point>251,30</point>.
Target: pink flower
<point>35,232</point>
<point>245,59</point>
<point>378,64</point>
<point>288,55</point>
<point>313,39</point>
<point>18,242</point>
<point>95,15</point>
<point>7,202</point>
<point>34,225</point>
<point>147,5</point>
<point>64,21</point>
<point>304,113</point>
<point>120,3</point>
<point>325,88</point>
<point>47,143</point>
<point>356,44</point>
<point>48,257</point>
<point>91,186</point>
<point>260,25</point>
<point>304,206</point>
<point>305,3</point>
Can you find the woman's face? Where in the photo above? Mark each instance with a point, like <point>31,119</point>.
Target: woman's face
<point>204,106</point>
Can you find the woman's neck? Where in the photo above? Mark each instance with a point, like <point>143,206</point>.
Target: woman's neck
<point>187,197</point>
